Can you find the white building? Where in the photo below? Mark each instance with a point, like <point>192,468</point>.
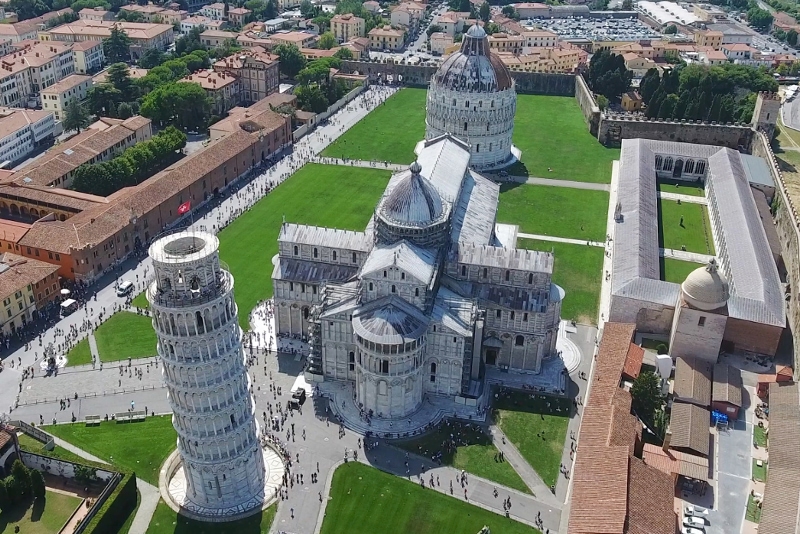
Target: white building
<point>21,131</point>
<point>472,97</point>
<point>58,96</point>
<point>200,346</point>
<point>426,297</point>
<point>89,56</point>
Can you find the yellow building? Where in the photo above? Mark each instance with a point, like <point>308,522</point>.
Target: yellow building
<point>503,42</point>
<point>89,56</point>
<point>215,38</point>
<point>256,70</point>
<point>386,38</point>
<point>144,36</point>
<point>631,101</point>
<point>57,97</point>
<point>24,282</point>
<point>709,38</point>
<point>223,89</point>
<point>346,27</point>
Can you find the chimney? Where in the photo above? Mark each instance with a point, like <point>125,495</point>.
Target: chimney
<point>667,440</point>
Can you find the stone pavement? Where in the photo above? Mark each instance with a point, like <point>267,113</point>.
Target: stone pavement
<point>561,239</point>
<point>689,199</point>
<point>552,182</point>
<point>528,475</point>
<point>93,347</point>
<point>77,451</point>
<point>147,506</point>
<point>684,255</point>
<point>360,163</point>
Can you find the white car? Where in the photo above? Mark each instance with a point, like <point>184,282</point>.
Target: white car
<point>690,530</point>
<point>695,522</point>
<point>696,511</point>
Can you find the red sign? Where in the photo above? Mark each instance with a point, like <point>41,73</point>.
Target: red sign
<point>183,208</point>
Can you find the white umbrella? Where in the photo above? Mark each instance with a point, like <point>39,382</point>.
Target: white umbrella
<point>65,292</point>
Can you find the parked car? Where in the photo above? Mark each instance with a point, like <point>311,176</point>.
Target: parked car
<point>695,522</point>
<point>696,511</point>
<point>691,530</point>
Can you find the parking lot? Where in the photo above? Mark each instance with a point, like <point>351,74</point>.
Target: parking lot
<point>596,29</point>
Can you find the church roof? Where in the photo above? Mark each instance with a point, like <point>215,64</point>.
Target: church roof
<point>706,288</point>
<point>413,201</point>
<point>417,262</point>
<point>474,68</point>
<point>453,311</point>
<point>507,258</point>
<point>302,234</point>
<point>389,321</point>
<point>475,212</point>
<point>312,271</point>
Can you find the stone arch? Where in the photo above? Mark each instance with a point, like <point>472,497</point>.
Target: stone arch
<point>519,341</point>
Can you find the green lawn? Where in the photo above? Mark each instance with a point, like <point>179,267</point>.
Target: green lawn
<point>126,335</point>
<point>476,454</point>
<point>39,517</point>
<point>166,521</point>
<point>30,444</point>
<point>759,436</point>
<point>80,354</point>
<point>684,225</point>
<point>364,500</point>
<point>536,430</point>
<point>579,270</point>
<point>759,473</point>
<point>654,344</point>
<point>389,133</point>
<point>322,195</point>
<point>673,270</point>
<point>574,213</point>
<point>140,301</point>
<point>681,187</point>
<point>551,133</point>
<point>141,447</point>
<point>753,510</point>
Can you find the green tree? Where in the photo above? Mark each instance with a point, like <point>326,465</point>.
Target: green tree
<point>102,100</point>
<point>433,28</point>
<point>327,41</point>
<point>791,37</point>
<point>152,57</point>
<point>118,46</point>
<point>12,490</point>
<point>75,116</point>
<point>119,76</point>
<point>484,12</point>
<point>343,53</point>
<point>22,475</point>
<point>627,5</point>
<point>510,12</point>
<point>492,28</point>
<point>292,60</point>
<point>649,84</point>
<point>671,29</point>
<point>602,102</point>
<point>182,104</point>
<point>759,19</point>
<point>37,484</point>
<point>307,9</point>
<point>311,98</point>
<point>646,396</point>
<point>323,20</point>
<point>5,502</point>
<point>125,111</point>
<point>85,474</point>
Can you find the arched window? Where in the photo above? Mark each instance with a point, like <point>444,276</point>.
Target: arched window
<point>296,251</point>
<point>701,167</point>
<point>316,253</point>
<point>465,126</point>
<point>659,160</point>
<point>305,313</point>
<point>333,255</point>
<point>668,164</point>
<point>433,367</point>
<point>195,283</point>
<point>519,341</point>
<point>370,286</point>
<point>508,275</point>
<point>394,289</point>
<point>689,167</point>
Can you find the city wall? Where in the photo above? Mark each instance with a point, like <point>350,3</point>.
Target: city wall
<point>589,108</point>
<point>614,128</point>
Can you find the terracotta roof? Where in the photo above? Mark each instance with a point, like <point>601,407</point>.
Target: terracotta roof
<point>210,80</point>
<point>611,358</point>
<point>599,491</point>
<point>13,119</point>
<point>70,82</point>
<point>16,272</point>
<point>676,462</point>
<point>689,425</point>
<point>693,381</point>
<point>727,385</point>
<point>650,500</point>
<point>12,230</point>
<point>633,362</point>
<point>48,197</point>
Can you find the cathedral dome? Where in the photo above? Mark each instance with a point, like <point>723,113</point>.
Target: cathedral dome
<point>474,68</point>
<point>414,201</point>
<point>706,288</point>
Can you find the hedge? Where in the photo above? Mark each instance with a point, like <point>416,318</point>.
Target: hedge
<point>115,511</point>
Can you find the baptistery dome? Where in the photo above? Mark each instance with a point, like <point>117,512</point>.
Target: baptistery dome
<point>472,97</point>
<point>706,288</point>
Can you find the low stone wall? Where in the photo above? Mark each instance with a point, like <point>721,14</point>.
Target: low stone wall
<point>588,105</point>
<point>53,466</point>
<point>614,128</point>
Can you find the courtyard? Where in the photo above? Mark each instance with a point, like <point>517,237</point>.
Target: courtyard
<point>140,446</point>
<point>537,426</point>
<point>473,452</point>
<point>684,225</point>
<point>676,271</point>
<point>322,195</point>
<point>166,521</point>
<point>579,270</point>
<point>43,516</point>
<point>573,213</point>
<point>364,500</point>
<point>680,187</point>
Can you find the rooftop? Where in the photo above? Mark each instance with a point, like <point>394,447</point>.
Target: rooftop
<point>70,82</point>
<point>693,381</point>
<point>689,425</point>
<point>17,272</point>
<point>12,119</point>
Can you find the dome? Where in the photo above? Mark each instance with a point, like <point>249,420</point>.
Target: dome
<point>390,323</point>
<point>474,68</point>
<point>706,288</point>
<point>414,201</point>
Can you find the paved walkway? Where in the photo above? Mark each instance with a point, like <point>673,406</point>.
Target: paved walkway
<point>534,180</point>
<point>147,507</point>
<point>77,451</point>
<point>561,239</point>
<point>523,468</point>
<point>93,347</point>
<point>689,199</point>
<point>683,255</point>
<point>360,163</point>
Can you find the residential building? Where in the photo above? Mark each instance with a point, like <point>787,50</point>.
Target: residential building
<point>24,282</point>
<point>316,53</point>
<point>143,35</point>
<point>22,131</point>
<point>713,57</point>
<point>238,16</point>
<point>359,47</point>
<point>57,97</point>
<point>645,49</point>
<point>564,59</point>
<point>732,33</point>
<point>639,65</point>
<point>280,23</point>
<point>89,56</point>
<point>407,14</point>
<point>156,14</point>
<point>97,14</point>
<point>215,11</point>
<point>256,70</point>
<point>503,42</point>
<point>196,21</point>
<point>540,38</point>
<point>632,101</point>
<point>531,10</point>
<point>708,13</point>
<point>28,30</point>
<point>134,72</point>
<point>372,6</point>
<point>214,38</point>
<point>299,39</point>
<point>236,115</point>
<point>452,22</point>
<point>346,27</point>
<point>386,38</point>
<point>34,66</point>
<point>223,89</point>
<point>709,38</point>
<point>439,42</point>
<point>744,55</point>
<point>5,46</point>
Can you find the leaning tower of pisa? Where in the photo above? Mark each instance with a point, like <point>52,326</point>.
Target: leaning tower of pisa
<point>199,343</point>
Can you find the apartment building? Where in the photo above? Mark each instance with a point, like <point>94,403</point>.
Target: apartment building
<point>709,38</point>
<point>28,30</point>
<point>539,38</point>
<point>89,56</point>
<point>237,16</point>
<point>33,66</point>
<point>156,14</point>
<point>407,14</point>
<point>503,42</point>
<point>224,90</point>
<point>5,46</point>
<point>143,35</point>
<point>439,42</point>
<point>95,14</point>
<point>214,38</point>
<point>386,38</point>
<point>26,286</point>
<point>256,70</point>
<point>197,21</point>
<point>452,22</point>
<point>215,11</point>
<point>299,39</point>
<point>58,96</point>
<point>346,27</point>
<point>22,131</point>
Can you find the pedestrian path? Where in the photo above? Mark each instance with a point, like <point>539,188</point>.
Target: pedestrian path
<point>360,163</point>
<point>689,199</point>
<point>77,451</point>
<point>534,180</point>
<point>528,475</point>
<point>683,255</point>
<point>93,347</point>
<point>147,506</point>
<point>561,239</point>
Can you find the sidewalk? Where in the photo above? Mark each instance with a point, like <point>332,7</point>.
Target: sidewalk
<point>360,163</point>
<point>552,182</point>
<point>689,199</point>
<point>561,239</point>
<point>147,506</point>
<point>683,255</point>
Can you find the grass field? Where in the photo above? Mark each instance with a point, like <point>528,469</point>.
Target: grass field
<point>477,455</point>
<point>673,270</point>
<point>551,133</point>
<point>30,444</point>
<point>167,521</point>
<point>389,133</point>
<point>684,225</point>
<point>322,195</point>
<point>759,436</point>
<point>80,354</point>
<point>753,512</point>
<point>140,301</point>
<point>39,517</point>
<point>575,213</point>
<point>536,430</point>
<point>364,500</point>
<point>680,188</point>
<point>759,473</point>
<point>141,447</point>
<point>126,335</point>
<point>578,269</point>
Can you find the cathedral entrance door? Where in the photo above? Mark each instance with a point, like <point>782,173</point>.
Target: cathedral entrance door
<point>491,356</point>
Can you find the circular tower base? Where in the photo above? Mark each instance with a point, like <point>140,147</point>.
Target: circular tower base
<point>172,485</point>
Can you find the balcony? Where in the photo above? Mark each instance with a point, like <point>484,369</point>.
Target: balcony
<point>190,298</point>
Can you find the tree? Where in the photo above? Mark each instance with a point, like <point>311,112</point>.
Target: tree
<point>22,475</point>
<point>117,47</point>
<point>627,5</point>
<point>85,474</point>
<point>343,53</point>
<point>671,29</point>
<point>102,99</point>
<point>649,84</point>
<point>125,111</point>
<point>292,60</point>
<point>37,484</point>
<point>759,19</point>
<point>510,12</point>
<point>433,28</point>
<point>119,76</point>
<point>791,37</point>
<point>311,98</point>
<point>152,57</point>
<point>5,503</point>
<point>182,104</point>
<point>75,116</point>
<point>484,12</point>
<point>12,490</point>
<point>307,9</point>
<point>327,41</point>
<point>646,396</point>
<point>602,102</point>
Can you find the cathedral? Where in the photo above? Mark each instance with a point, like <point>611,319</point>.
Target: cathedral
<point>432,291</point>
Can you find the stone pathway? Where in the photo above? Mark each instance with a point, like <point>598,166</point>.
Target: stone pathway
<point>561,239</point>
<point>77,451</point>
<point>689,199</point>
<point>93,348</point>
<point>534,180</point>
<point>684,255</point>
<point>360,163</point>
<point>147,506</point>
<point>523,468</point>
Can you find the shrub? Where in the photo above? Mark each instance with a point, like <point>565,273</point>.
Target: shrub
<point>37,484</point>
